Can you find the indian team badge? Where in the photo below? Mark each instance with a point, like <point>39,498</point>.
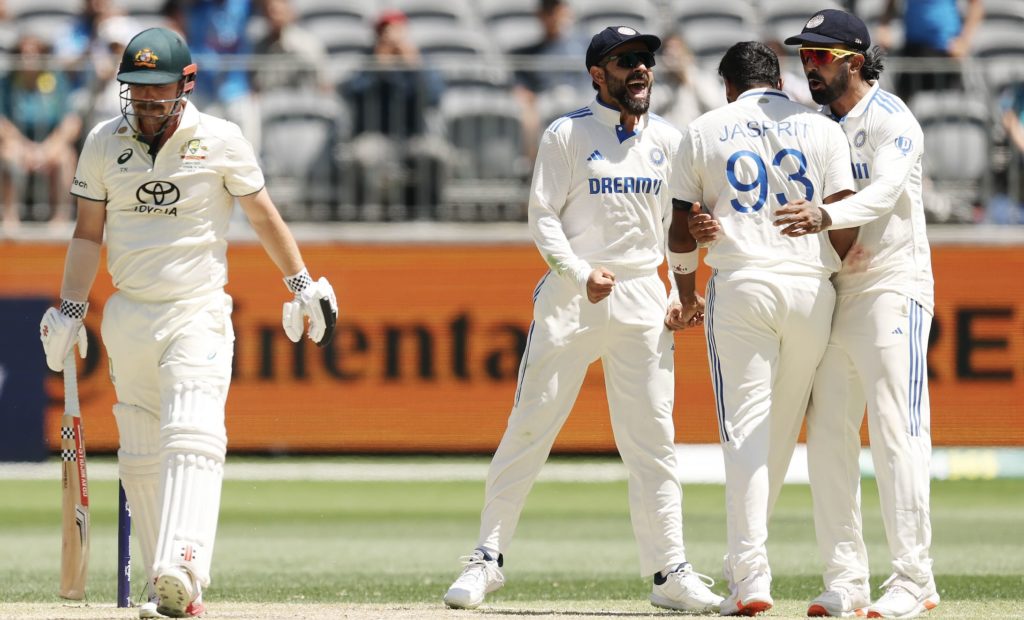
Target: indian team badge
<point>146,58</point>
<point>859,138</point>
<point>626,30</point>
<point>815,21</point>
<point>657,156</point>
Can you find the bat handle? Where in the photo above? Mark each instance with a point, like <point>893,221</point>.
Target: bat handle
<point>71,385</point>
<point>124,553</point>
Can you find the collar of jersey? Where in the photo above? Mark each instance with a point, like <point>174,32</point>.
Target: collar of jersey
<point>861,106</point>
<point>611,116</point>
<point>757,92</point>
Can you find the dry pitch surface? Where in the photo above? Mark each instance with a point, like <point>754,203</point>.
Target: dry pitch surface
<point>555,610</point>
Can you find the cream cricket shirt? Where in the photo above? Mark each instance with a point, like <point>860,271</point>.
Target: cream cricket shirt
<point>600,194</point>
<point>166,219</point>
<point>892,251</point>
<point>747,159</point>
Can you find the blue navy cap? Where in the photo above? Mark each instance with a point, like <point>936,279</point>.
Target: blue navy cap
<point>832,26</point>
<point>614,36</point>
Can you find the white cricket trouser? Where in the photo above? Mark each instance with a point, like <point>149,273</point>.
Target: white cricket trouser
<point>627,332</point>
<point>766,334</point>
<point>877,355</point>
<point>170,363</point>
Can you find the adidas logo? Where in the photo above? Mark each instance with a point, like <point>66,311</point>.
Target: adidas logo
<point>595,156</point>
<point>897,331</point>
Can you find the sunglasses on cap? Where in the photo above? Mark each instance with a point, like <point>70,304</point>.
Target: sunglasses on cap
<point>823,55</point>
<point>631,60</point>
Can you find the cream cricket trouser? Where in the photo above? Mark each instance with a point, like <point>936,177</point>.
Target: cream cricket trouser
<point>766,334</point>
<point>626,332</point>
<point>877,355</point>
<point>170,363</point>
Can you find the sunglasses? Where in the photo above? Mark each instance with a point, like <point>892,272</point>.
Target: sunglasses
<point>632,60</point>
<point>823,55</point>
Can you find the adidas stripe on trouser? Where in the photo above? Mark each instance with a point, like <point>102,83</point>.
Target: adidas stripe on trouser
<point>627,332</point>
<point>766,334</point>
<point>876,356</point>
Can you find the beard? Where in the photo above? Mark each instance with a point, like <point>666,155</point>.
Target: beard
<point>833,90</point>
<point>618,91</point>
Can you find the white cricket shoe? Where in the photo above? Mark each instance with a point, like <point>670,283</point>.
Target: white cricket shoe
<point>750,597</point>
<point>148,610</point>
<point>683,589</point>
<point>180,596</point>
<point>903,599</point>
<point>481,576</point>
<point>839,602</point>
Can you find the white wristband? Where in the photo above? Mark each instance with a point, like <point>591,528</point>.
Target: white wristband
<point>682,262</point>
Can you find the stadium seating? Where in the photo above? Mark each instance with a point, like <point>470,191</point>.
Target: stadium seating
<point>593,15</point>
<point>999,49</point>
<point>720,16</point>
<point>957,136</point>
<point>302,133</point>
<point>468,41</point>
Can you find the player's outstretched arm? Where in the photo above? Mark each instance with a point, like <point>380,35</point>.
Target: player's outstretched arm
<point>800,217</point>
<point>61,329</point>
<point>314,300</point>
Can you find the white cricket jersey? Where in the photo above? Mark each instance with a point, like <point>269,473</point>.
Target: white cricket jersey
<point>166,219</point>
<point>600,195</point>
<point>892,251</point>
<point>748,158</point>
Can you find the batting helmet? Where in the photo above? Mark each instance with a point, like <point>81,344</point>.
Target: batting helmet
<point>156,56</point>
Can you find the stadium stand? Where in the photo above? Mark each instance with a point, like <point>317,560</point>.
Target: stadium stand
<point>957,134</point>
<point>306,134</point>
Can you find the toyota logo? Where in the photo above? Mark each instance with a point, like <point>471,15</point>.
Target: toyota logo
<point>158,193</point>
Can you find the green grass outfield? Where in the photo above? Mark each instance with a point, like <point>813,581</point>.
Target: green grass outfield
<point>391,548</point>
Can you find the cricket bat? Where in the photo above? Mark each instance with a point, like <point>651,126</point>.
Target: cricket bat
<point>74,550</point>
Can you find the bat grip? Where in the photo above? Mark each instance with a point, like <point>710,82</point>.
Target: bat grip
<point>71,385</point>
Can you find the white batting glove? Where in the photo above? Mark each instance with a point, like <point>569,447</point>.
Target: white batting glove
<point>60,330</point>
<point>314,300</point>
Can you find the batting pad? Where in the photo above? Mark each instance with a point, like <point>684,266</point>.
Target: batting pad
<point>192,468</point>
<point>139,468</point>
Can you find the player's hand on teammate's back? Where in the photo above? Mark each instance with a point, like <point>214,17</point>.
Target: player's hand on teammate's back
<point>703,226</point>
<point>59,333</point>
<point>688,312</point>
<point>801,218</point>
<point>317,302</point>
<point>600,284</point>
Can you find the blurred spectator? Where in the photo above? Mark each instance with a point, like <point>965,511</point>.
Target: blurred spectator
<point>1008,207</point>
<point>38,131</point>
<point>303,55</point>
<point>400,155</point>
<point>932,29</point>
<point>99,99</point>
<point>685,90</point>
<point>216,33</point>
<point>547,85</point>
<point>76,47</point>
